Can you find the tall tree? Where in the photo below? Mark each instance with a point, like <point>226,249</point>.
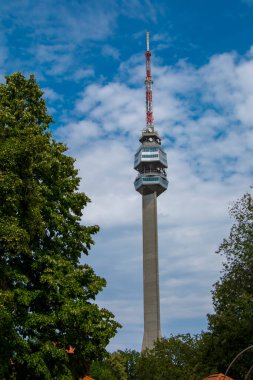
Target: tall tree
<point>131,360</point>
<point>113,367</point>
<point>119,365</point>
<point>50,326</point>
<point>231,327</point>
<point>175,358</point>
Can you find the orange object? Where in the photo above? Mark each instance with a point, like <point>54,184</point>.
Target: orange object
<point>71,350</point>
<point>219,376</point>
<point>88,378</point>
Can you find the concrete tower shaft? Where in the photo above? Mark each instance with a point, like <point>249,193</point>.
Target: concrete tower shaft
<point>151,163</point>
<point>152,329</point>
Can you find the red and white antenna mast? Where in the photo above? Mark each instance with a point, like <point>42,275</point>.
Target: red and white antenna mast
<point>149,83</point>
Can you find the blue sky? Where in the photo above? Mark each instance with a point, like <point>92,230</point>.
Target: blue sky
<point>88,57</point>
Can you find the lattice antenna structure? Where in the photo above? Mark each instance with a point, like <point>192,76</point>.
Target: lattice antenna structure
<point>149,84</point>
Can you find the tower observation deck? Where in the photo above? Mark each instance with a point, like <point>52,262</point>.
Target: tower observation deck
<point>151,162</point>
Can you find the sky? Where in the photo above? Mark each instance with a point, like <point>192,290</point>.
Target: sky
<point>88,57</point>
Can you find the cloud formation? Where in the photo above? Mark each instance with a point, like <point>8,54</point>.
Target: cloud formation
<point>84,56</point>
<point>205,117</point>
<point>62,36</point>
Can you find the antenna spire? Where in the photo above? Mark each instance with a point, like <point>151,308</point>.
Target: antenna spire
<point>149,83</point>
<point>147,40</point>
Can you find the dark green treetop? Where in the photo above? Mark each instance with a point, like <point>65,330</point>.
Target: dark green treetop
<point>119,365</point>
<point>230,326</point>
<point>175,358</point>
<point>46,295</point>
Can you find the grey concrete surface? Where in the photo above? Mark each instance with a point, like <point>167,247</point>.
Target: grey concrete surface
<point>150,271</point>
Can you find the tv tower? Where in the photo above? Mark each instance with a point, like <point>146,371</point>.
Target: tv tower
<point>150,161</point>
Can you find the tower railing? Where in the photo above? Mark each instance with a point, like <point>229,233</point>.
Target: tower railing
<point>146,131</point>
<point>152,172</point>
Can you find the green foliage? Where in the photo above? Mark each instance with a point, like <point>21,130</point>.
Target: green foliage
<point>101,370</point>
<point>46,295</point>
<point>120,365</point>
<point>184,357</point>
<point>111,368</point>
<point>230,327</point>
<point>176,358</point>
<point>131,361</point>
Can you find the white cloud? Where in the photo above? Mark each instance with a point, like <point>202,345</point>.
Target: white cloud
<point>205,116</point>
<point>107,169</point>
<point>145,9</point>
<point>66,22</point>
<point>162,41</point>
<point>110,51</point>
<point>51,95</point>
<point>76,134</point>
<point>64,35</point>
<point>59,32</point>
<point>115,106</point>
<point>83,73</point>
